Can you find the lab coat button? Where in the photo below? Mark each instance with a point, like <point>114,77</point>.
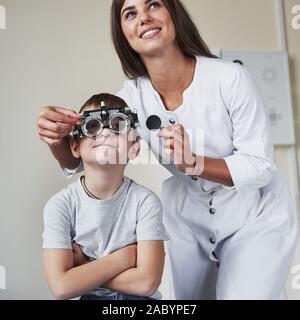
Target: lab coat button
<point>212,211</point>
<point>212,240</point>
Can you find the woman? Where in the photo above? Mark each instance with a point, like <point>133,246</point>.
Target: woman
<point>231,222</point>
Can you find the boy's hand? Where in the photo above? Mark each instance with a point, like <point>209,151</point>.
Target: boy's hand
<point>128,255</point>
<point>55,123</point>
<point>79,258</point>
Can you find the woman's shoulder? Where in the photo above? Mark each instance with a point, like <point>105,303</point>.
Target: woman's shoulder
<point>131,89</point>
<point>135,83</point>
<point>219,65</point>
<point>222,72</point>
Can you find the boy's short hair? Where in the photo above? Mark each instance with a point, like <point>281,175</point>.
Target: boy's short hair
<point>109,100</point>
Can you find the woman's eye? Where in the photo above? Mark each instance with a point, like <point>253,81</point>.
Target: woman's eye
<point>154,5</point>
<point>129,15</point>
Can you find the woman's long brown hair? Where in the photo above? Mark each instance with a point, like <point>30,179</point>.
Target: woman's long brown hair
<point>187,36</point>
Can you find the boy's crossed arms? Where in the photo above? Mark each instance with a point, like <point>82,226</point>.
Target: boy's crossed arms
<point>134,269</point>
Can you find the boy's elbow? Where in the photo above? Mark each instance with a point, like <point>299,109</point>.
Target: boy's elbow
<point>59,296</point>
<point>60,291</point>
<point>149,287</point>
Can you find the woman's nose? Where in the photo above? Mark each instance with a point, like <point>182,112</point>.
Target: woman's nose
<point>145,19</point>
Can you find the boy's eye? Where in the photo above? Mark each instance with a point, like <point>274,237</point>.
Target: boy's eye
<point>118,124</point>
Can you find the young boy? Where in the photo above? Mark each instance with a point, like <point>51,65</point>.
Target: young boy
<point>103,234</point>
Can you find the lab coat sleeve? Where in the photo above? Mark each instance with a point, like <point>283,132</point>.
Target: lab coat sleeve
<point>57,223</point>
<point>251,163</point>
<point>70,173</point>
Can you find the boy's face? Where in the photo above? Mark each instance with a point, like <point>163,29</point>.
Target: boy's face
<point>107,148</point>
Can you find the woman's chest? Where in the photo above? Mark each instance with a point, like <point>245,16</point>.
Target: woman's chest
<point>203,115</point>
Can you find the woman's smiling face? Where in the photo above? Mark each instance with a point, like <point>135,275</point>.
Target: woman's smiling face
<point>147,26</point>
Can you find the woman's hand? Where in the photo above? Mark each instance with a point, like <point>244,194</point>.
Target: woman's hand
<point>177,145</point>
<point>79,258</point>
<point>55,123</point>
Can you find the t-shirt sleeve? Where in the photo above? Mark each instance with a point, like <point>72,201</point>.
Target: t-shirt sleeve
<point>57,224</point>
<point>149,220</point>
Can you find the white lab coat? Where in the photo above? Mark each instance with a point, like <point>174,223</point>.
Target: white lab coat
<point>225,243</point>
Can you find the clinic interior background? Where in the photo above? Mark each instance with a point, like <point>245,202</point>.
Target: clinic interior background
<point>59,52</point>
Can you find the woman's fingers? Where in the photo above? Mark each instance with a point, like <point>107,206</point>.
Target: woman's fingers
<point>167,133</point>
<point>67,112</point>
<point>173,144</point>
<point>176,128</point>
<point>55,123</point>
<point>49,141</point>
<point>59,128</point>
<point>50,134</point>
<point>63,111</point>
<point>177,145</point>
<point>61,115</point>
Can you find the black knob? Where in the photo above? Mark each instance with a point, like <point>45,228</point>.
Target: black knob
<point>212,211</point>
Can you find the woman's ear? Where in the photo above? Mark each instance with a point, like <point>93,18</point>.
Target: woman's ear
<point>74,146</point>
<point>134,150</point>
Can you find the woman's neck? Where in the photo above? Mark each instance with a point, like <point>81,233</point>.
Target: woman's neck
<point>171,72</point>
<point>104,182</point>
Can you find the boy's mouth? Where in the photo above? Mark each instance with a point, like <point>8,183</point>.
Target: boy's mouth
<point>103,145</point>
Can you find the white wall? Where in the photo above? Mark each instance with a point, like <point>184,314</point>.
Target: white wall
<point>59,52</point>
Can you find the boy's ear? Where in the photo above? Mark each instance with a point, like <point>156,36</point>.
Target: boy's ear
<point>74,146</point>
<point>134,150</point>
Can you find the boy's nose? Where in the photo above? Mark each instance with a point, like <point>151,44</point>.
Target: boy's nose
<point>104,134</point>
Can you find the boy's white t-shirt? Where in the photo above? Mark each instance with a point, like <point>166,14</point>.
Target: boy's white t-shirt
<point>100,227</point>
